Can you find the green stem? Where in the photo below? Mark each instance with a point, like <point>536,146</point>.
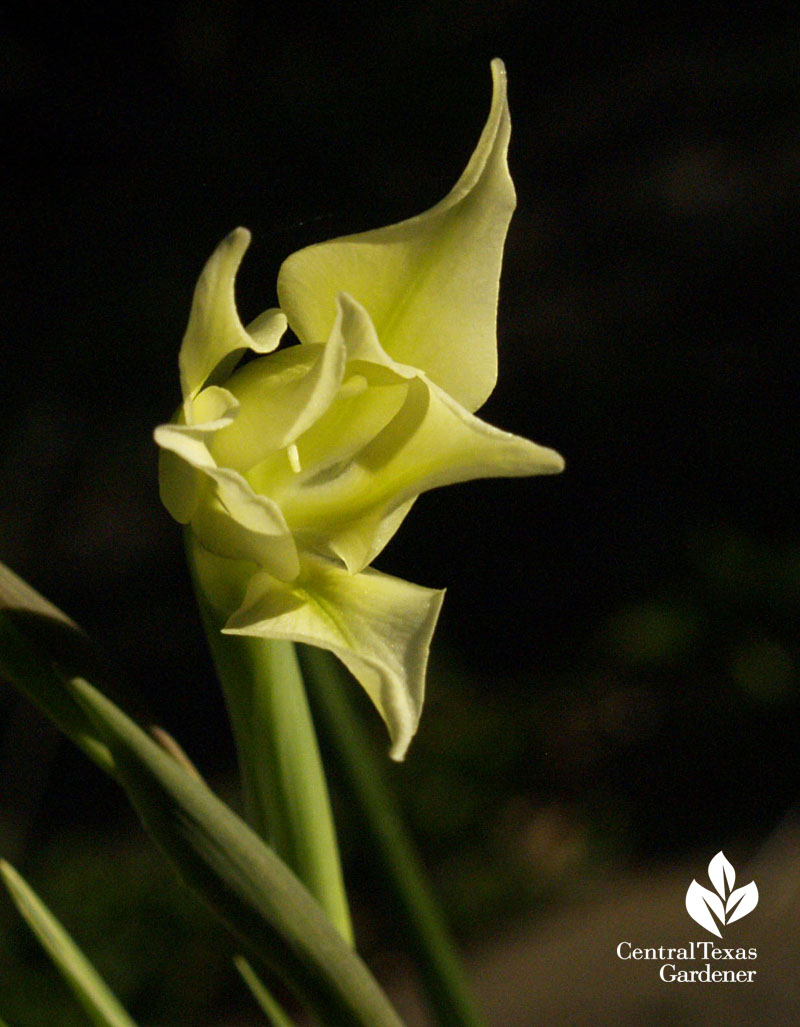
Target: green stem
<point>286,795</point>
<point>438,963</point>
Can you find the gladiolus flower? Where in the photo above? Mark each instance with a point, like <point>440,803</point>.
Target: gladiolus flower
<point>294,470</point>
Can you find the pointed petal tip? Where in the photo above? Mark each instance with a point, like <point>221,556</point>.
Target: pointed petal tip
<point>557,462</point>
<point>239,237</point>
<point>398,751</point>
<point>236,243</point>
<point>498,71</point>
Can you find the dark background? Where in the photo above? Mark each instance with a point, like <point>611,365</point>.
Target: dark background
<point>614,680</point>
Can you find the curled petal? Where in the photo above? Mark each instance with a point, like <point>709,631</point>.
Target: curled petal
<point>212,409</point>
<point>358,543</point>
<point>431,441</point>
<point>380,627</point>
<point>228,518</point>
<point>236,523</point>
<point>279,400</point>
<point>267,330</point>
<point>215,336</point>
<point>360,337</point>
<point>183,451</point>
<point>430,283</point>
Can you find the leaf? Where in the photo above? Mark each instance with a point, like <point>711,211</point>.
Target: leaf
<point>89,988</point>
<point>741,902</point>
<point>243,881</point>
<point>245,884</point>
<point>269,1006</point>
<point>699,904</point>
<point>384,841</point>
<point>37,644</point>
<point>721,874</point>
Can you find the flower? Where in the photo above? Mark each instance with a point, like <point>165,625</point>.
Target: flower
<point>294,470</point>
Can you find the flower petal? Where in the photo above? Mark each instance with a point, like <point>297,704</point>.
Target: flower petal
<point>431,441</point>
<point>279,397</point>
<point>228,518</point>
<point>184,448</point>
<point>358,543</point>
<point>267,330</point>
<point>236,523</point>
<point>380,627</point>
<point>180,485</point>
<point>430,283</point>
<point>360,338</point>
<point>215,333</point>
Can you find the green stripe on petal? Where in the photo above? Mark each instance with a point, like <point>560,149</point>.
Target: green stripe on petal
<point>215,334</point>
<point>380,627</point>
<point>430,283</point>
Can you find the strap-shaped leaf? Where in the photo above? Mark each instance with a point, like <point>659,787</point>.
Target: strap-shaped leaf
<point>251,891</point>
<point>386,841</point>
<point>270,1007</point>
<point>89,988</point>
<point>38,643</point>
<point>243,881</point>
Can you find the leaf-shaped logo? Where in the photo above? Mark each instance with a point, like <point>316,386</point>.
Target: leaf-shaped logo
<point>701,903</point>
<point>721,874</point>
<point>741,902</point>
<point>715,909</point>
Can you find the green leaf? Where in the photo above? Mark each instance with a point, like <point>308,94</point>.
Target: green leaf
<point>270,1007</point>
<point>89,988</point>
<point>246,885</point>
<point>38,646</point>
<point>387,843</point>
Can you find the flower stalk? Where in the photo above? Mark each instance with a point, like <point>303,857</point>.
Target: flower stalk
<point>283,781</point>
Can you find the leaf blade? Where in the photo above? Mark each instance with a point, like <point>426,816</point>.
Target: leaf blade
<point>102,1006</point>
<point>246,885</point>
<point>273,1011</point>
<point>37,641</point>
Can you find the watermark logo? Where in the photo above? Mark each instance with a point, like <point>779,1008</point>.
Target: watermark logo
<point>713,910</point>
<point>718,908</point>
